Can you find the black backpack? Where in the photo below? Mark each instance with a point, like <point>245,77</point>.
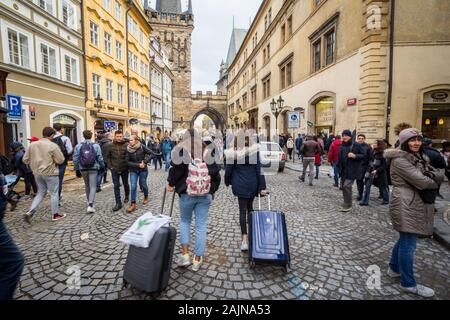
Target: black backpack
<point>5,165</point>
<point>62,146</point>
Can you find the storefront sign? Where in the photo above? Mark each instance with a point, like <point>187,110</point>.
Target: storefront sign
<point>293,120</point>
<point>109,125</point>
<point>442,96</point>
<point>324,114</point>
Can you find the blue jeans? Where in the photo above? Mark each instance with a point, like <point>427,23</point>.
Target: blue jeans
<point>62,171</point>
<point>100,176</point>
<point>167,159</point>
<point>200,206</point>
<point>336,174</point>
<point>402,259</point>
<point>368,186</point>
<point>142,176</point>
<point>11,259</point>
<point>116,181</point>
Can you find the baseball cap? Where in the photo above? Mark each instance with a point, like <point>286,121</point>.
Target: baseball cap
<point>33,139</point>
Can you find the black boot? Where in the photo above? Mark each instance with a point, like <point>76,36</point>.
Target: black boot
<point>117,207</point>
<point>126,200</point>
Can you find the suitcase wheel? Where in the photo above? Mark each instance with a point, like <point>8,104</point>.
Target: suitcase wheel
<point>286,268</point>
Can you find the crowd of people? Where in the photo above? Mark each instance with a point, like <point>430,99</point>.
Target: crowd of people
<point>413,168</point>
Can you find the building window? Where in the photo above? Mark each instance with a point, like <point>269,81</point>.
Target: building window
<point>118,10</point>
<point>71,69</point>
<point>68,14</point>
<point>47,5</point>
<point>108,43</point>
<point>48,60</point>
<point>266,87</point>
<point>317,2</point>
<point>94,33</point>
<point>329,43</point>
<point>286,74</point>
<point>120,94</point>
<point>317,55</point>
<point>96,85</point>
<point>119,50</point>
<point>283,33</point>
<point>244,101</point>
<point>18,45</point>
<point>289,26</point>
<point>109,90</point>
<point>253,96</point>
<point>106,4</point>
<point>270,16</point>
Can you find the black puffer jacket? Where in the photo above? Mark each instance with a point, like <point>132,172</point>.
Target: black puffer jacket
<point>178,174</point>
<point>116,156</point>
<point>134,159</point>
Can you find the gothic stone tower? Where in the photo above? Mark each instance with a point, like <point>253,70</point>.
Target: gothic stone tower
<point>173,28</point>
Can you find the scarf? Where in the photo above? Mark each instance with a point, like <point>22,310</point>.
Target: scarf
<point>133,149</point>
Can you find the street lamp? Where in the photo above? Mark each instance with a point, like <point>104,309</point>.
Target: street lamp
<point>97,105</point>
<point>276,107</point>
<point>154,116</point>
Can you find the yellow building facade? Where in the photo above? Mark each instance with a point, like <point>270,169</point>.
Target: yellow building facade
<point>117,66</point>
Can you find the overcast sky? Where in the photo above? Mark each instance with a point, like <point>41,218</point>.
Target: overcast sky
<point>213,25</point>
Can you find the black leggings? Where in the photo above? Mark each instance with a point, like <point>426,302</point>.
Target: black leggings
<point>30,182</point>
<point>245,206</point>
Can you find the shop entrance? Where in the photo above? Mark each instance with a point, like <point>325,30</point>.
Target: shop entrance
<point>69,125</point>
<point>436,116</point>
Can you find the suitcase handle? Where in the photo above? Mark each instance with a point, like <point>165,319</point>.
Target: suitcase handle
<point>268,200</point>
<point>164,202</point>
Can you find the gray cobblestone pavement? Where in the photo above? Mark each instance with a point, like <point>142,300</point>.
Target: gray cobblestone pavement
<point>330,251</point>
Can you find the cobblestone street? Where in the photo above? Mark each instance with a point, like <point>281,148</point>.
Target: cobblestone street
<point>331,251</point>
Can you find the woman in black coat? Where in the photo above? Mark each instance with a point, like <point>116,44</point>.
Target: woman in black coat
<point>377,174</point>
<point>243,173</point>
<point>157,157</point>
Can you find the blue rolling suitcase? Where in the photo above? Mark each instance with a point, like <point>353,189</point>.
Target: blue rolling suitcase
<point>268,238</point>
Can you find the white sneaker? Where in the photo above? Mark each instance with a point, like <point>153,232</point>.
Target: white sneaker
<point>420,290</point>
<point>90,209</point>
<point>392,274</point>
<point>244,245</point>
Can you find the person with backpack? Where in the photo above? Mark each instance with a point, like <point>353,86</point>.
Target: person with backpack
<point>44,157</point>
<point>116,160</point>
<point>415,184</point>
<point>23,170</point>
<point>88,159</point>
<point>65,145</point>
<point>195,177</point>
<point>243,173</point>
<point>138,156</point>
<point>104,143</point>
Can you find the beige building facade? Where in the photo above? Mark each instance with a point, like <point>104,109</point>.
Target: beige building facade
<point>330,60</point>
<point>41,61</point>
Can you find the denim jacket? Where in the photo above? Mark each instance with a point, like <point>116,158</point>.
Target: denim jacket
<point>99,162</point>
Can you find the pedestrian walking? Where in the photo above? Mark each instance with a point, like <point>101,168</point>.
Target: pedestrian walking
<point>349,163</point>
<point>11,259</point>
<point>66,148</point>
<point>138,157</point>
<point>290,147</point>
<point>44,157</point>
<point>23,170</point>
<point>104,143</point>
<point>411,209</point>
<point>376,174</point>
<point>318,158</point>
<point>166,148</point>
<point>309,150</point>
<point>157,154</point>
<point>88,159</point>
<point>367,152</point>
<point>333,156</point>
<point>116,160</point>
<point>445,152</point>
<point>243,173</point>
<point>298,145</point>
<point>195,179</point>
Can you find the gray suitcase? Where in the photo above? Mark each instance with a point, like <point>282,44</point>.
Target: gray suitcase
<point>148,269</point>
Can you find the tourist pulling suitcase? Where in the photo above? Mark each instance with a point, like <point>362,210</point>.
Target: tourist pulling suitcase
<point>148,269</point>
<point>268,238</point>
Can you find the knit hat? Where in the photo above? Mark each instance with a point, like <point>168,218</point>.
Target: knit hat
<point>407,134</point>
<point>347,133</point>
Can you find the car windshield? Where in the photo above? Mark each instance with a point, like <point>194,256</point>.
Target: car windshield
<point>270,147</point>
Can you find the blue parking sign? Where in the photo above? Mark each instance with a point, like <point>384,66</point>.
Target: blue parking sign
<point>14,106</point>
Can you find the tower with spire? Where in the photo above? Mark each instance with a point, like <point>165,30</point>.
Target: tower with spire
<point>173,28</point>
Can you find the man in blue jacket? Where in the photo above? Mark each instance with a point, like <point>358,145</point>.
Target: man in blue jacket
<point>349,165</point>
<point>166,146</point>
<point>298,145</point>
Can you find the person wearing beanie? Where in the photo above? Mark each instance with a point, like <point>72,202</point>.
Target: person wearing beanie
<point>411,208</point>
<point>350,157</point>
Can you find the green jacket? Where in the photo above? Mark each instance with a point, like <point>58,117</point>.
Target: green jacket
<point>116,156</point>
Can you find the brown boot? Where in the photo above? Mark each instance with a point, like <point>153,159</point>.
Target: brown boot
<point>132,208</point>
<point>145,201</point>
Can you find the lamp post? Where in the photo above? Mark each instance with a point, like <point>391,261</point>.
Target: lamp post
<point>276,107</point>
<point>98,108</point>
<point>154,116</point>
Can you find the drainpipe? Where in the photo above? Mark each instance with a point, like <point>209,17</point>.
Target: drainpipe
<point>391,68</point>
<point>83,44</point>
<point>162,116</point>
<point>130,5</point>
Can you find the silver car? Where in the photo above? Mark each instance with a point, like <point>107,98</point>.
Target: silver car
<point>272,155</point>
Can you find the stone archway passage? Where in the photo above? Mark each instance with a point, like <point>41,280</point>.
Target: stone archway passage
<point>215,116</point>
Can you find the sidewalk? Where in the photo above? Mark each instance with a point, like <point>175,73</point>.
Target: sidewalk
<point>441,227</point>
